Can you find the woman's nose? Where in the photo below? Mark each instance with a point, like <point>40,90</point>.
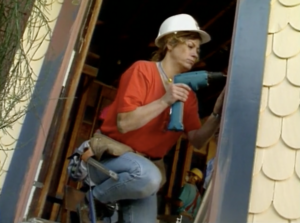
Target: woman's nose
<point>195,55</point>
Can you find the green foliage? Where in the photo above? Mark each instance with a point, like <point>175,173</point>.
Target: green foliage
<point>17,51</point>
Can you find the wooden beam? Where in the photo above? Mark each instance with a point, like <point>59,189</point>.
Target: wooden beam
<point>152,44</point>
<point>220,14</point>
<point>93,55</point>
<point>99,22</point>
<point>89,70</point>
<point>187,162</point>
<point>71,147</point>
<point>173,174</point>
<point>105,85</point>
<point>71,95</point>
<point>107,92</point>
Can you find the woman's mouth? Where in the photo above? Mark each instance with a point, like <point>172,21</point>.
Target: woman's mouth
<point>191,62</point>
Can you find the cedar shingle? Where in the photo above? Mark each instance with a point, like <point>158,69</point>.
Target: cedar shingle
<point>275,193</point>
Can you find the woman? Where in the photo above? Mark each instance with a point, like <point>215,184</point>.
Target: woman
<point>139,115</point>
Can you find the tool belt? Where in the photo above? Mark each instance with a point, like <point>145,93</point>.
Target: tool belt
<point>100,144</point>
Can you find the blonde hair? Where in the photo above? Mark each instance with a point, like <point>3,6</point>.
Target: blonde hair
<point>173,39</point>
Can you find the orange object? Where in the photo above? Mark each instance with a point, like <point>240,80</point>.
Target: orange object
<point>141,84</point>
<point>104,112</point>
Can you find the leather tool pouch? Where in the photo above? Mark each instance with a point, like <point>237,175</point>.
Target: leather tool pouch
<point>101,144</point>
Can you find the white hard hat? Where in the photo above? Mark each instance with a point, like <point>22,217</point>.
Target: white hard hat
<point>181,22</point>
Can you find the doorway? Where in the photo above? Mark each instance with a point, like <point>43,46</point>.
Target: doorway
<point>123,34</point>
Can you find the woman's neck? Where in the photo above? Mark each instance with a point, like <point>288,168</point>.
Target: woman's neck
<point>170,67</point>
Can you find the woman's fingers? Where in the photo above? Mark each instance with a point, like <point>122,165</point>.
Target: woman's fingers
<point>184,86</point>
<point>176,92</point>
<point>180,93</point>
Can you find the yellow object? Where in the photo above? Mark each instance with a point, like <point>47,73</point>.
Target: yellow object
<point>212,150</point>
<point>197,172</point>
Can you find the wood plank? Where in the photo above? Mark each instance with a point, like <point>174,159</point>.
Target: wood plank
<point>92,72</point>
<point>201,151</point>
<point>102,84</point>
<point>109,93</point>
<point>99,22</point>
<point>187,162</point>
<point>93,95</point>
<point>89,70</point>
<point>93,55</point>
<point>71,95</point>
<point>173,174</point>
<point>96,117</point>
<point>39,200</point>
<point>71,147</point>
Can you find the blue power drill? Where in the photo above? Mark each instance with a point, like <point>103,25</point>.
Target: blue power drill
<point>195,80</point>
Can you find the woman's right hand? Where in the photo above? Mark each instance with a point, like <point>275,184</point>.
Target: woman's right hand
<point>176,92</point>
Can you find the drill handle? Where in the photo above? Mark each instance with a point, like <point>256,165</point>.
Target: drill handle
<point>176,122</point>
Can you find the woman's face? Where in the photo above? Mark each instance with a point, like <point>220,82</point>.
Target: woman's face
<point>191,178</point>
<point>186,54</point>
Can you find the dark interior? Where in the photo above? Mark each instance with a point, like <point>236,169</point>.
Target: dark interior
<point>126,31</point>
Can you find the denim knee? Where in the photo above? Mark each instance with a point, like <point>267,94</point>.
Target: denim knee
<point>150,178</point>
<point>138,178</point>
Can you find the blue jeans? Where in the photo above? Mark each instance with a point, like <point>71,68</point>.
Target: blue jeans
<point>139,181</point>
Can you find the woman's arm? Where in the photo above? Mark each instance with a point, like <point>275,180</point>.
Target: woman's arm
<point>129,121</point>
<point>136,119</point>
<point>200,137</point>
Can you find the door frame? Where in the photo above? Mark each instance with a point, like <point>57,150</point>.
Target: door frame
<point>24,164</point>
<point>230,199</point>
<point>232,178</point>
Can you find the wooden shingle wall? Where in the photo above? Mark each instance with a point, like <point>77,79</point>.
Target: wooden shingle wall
<point>275,193</point>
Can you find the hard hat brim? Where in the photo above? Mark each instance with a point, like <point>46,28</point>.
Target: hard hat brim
<point>205,37</point>
<point>200,174</point>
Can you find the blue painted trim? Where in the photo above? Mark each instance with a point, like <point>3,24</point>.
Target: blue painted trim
<point>233,175</point>
<point>24,150</point>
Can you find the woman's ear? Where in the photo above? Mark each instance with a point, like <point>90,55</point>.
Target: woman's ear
<point>169,46</point>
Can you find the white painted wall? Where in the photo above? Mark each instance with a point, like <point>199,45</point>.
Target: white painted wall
<point>35,56</point>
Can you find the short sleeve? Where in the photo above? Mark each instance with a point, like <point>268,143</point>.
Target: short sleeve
<point>133,88</point>
<point>191,119</point>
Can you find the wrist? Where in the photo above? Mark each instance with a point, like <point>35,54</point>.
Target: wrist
<point>215,115</point>
<point>164,102</point>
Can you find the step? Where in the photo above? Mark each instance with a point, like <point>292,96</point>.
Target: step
<point>90,70</point>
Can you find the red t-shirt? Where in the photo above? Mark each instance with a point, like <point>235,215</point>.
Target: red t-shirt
<point>141,84</point>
